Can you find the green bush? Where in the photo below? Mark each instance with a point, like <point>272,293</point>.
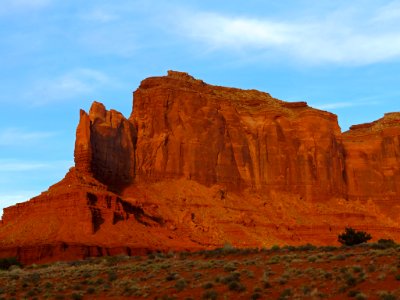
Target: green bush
<point>352,237</point>
<point>6,263</point>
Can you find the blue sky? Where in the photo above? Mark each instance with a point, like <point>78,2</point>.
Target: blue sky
<point>58,56</point>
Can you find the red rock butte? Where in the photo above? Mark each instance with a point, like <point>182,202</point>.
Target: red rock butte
<point>197,166</point>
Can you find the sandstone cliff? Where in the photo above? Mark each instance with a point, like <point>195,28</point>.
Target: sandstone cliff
<point>197,166</point>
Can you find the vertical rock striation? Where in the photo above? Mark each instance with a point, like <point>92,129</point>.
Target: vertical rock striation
<point>216,135</point>
<point>373,163</point>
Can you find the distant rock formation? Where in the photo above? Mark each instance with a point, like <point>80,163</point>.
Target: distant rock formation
<point>197,166</point>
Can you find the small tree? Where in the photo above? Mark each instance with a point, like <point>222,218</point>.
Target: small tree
<point>353,237</point>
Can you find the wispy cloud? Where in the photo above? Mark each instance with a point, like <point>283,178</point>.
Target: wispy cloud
<point>117,39</point>
<point>338,105</point>
<point>388,13</point>
<point>99,15</point>
<point>66,86</point>
<point>11,198</point>
<point>23,166</point>
<point>12,6</point>
<point>347,38</point>
<point>220,31</point>
<point>17,136</point>
<point>22,179</point>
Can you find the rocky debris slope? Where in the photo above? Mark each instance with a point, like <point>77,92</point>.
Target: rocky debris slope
<point>197,166</point>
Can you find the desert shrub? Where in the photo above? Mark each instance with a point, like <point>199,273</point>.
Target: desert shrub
<point>228,248</point>
<point>353,293</point>
<point>112,275</point>
<point>381,276</point>
<point>357,269</point>
<point>328,275</point>
<point>6,263</point>
<point>282,280</point>
<point>350,280</point>
<point>181,284</point>
<point>255,295</point>
<point>229,267</point>
<point>306,247</point>
<point>210,294</point>
<point>248,273</point>
<point>75,263</point>
<point>371,268</point>
<point>225,250</point>
<point>30,294</point>
<point>99,281</point>
<point>353,237</point>
<point>306,290</point>
<point>171,276</point>
<point>184,255</point>
<point>113,260</point>
<point>383,295</point>
<point>168,297</point>
<point>312,258</point>
<point>289,248</point>
<point>339,257</point>
<point>230,278</point>
<point>384,244</point>
<point>361,296</point>
<point>327,248</point>
<point>76,296</point>
<point>267,284</point>
<point>33,278</point>
<point>208,285</point>
<point>286,294</point>
<point>77,287</point>
<point>274,260</point>
<point>236,286</point>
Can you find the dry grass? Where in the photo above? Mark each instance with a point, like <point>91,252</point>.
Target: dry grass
<point>361,272</point>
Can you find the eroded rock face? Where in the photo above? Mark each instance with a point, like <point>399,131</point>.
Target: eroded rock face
<point>373,163</point>
<point>241,139</point>
<point>197,166</point>
<point>105,147</point>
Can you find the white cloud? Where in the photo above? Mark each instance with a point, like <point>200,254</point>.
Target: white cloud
<point>331,38</point>
<point>69,85</point>
<point>16,136</point>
